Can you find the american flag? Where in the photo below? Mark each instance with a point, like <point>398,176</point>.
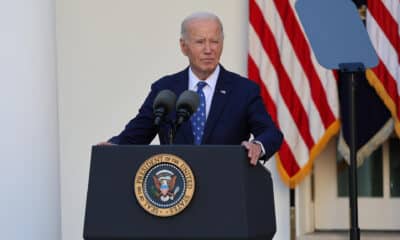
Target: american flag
<point>383,26</point>
<point>300,95</point>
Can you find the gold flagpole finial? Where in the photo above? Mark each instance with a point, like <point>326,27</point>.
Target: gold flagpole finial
<point>363,12</point>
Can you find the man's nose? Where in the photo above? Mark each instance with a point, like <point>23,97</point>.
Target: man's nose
<point>207,47</point>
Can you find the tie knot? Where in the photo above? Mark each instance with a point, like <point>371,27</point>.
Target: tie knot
<point>201,85</point>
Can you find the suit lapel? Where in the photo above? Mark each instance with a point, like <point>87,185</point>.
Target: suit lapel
<point>221,95</point>
<point>181,82</point>
<point>181,85</point>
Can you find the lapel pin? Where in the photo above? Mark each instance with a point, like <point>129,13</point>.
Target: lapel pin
<point>222,91</point>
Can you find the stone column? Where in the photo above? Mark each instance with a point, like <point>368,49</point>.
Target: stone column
<point>29,161</point>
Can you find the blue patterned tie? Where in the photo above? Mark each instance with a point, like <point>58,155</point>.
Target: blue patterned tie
<point>199,117</point>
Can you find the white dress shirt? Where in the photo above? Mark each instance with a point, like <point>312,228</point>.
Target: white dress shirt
<point>209,89</point>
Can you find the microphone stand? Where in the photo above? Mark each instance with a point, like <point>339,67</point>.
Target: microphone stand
<point>174,125</point>
<point>172,132</point>
<point>173,129</point>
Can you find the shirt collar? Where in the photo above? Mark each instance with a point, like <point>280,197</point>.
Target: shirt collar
<point>211,80</point>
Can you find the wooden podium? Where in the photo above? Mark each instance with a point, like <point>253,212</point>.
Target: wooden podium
<point>231,200</point>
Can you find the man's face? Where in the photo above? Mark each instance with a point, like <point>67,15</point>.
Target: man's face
<point>202,44</point>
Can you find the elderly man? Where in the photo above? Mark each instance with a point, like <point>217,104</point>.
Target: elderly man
<point>231,108</point>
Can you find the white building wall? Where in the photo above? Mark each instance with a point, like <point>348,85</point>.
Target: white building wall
<point>29,163</point>
<point>109,52</point>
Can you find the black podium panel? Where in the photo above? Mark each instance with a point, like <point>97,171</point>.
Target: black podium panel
<point>232,200</point>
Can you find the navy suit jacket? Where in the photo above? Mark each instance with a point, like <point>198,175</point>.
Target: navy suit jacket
<point>236,112</point>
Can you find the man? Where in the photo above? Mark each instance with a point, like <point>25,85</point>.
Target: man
<point>231,108</point>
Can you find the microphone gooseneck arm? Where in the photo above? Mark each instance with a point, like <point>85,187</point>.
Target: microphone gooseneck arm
<point>186,105</point>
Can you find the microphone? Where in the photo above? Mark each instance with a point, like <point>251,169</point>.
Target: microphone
<point>187,104</point>
<point>163,104</point>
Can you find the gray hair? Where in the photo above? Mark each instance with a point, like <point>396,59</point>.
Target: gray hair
<point>199,16</point>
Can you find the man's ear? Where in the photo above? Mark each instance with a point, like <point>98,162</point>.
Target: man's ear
<point>183,45</point>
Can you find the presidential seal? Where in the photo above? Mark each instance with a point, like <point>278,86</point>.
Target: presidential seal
<point>164,185</point>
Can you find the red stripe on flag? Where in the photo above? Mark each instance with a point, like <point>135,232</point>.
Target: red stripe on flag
<point>389,82</point>
<point>289,161</point>
<point>386,22</point>
<point>285,86</point>
<point>303,53</point>
<point>254,75</point>
<point>386,79</point>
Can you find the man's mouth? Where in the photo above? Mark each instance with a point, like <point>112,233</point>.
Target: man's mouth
<point>207,60</point>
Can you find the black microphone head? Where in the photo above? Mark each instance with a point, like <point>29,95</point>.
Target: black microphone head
<point>166,100</point>
<point>189,101</point>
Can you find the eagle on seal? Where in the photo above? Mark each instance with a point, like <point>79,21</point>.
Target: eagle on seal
<point>164,181</point>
